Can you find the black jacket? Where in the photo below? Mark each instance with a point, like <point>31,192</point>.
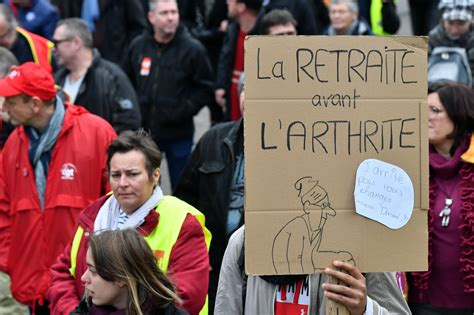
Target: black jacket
<point>107,92</point>
<point>173,82</point>
<point>206,184</point>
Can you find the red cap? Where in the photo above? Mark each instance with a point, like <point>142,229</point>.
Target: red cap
<point>30,79</point>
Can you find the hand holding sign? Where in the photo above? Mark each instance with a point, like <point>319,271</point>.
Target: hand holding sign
<point>384,193</point>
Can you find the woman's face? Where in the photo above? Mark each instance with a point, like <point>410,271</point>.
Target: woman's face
<point>129,179</point>
<point>440,126</point>
<point>103,292</point>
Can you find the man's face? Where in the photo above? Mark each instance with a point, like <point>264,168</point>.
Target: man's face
<point>456,28</point>
<point>341,17</point>
<point>234,8</point>
<point>282,29</point>
<point>21,112</point>
<point>7,34</point>
<point>165,18</point>
<point>64,48</point>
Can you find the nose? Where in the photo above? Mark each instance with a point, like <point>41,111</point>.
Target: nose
<point>85,277</point>
<point>123,180</point>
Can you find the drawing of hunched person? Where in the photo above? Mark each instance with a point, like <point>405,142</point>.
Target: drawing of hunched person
<point>301,237</point>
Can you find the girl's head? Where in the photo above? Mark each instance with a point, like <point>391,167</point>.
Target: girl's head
<point>122,272</point>
<point>451,113</point>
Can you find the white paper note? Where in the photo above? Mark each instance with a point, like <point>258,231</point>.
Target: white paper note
<point>384,193</point>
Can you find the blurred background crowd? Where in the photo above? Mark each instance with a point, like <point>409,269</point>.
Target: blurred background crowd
<point>176,68</point>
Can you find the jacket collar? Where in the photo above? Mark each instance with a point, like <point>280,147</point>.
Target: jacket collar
<point>237,128</point>
<point>95,59</point>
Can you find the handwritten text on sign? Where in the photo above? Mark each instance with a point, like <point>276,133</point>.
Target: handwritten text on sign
<point>384,193</point>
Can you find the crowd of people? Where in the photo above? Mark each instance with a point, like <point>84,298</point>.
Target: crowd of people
<point>95,91</point>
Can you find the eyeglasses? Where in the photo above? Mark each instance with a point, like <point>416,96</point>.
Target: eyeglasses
<point>56,42</point>
<point>434,111</point>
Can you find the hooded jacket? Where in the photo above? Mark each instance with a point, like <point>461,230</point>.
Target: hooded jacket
<point>30,237</point>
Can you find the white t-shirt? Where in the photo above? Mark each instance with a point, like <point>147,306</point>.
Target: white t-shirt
<point>72,88</point>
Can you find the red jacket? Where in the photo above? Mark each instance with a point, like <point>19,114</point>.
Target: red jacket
<point>30,238</point>
<point>188,265</point>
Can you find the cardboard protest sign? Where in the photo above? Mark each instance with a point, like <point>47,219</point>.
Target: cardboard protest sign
<point>316,108</point>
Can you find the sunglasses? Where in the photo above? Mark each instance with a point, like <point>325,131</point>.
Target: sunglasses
<point>56,42</point>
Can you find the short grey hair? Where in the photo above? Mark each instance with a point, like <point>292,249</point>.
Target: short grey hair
<point>77,27</point>
<point>7,15</point>
<point>351,4</point>
<point>152,4</point>
<point>7,60</point>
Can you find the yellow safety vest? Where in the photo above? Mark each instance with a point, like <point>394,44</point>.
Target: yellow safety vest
<point>376,17</point>
<point>161,240</point>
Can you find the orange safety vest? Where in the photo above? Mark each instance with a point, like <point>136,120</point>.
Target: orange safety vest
<point>41,48</point>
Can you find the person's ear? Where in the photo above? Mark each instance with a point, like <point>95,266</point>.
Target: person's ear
<point>77,41</point>
<point>121,284</point>
<point>37,104</point>
<point>151,17</point>
<point>156,175</point>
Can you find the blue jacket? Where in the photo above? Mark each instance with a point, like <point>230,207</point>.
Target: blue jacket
<point>40,18</point>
